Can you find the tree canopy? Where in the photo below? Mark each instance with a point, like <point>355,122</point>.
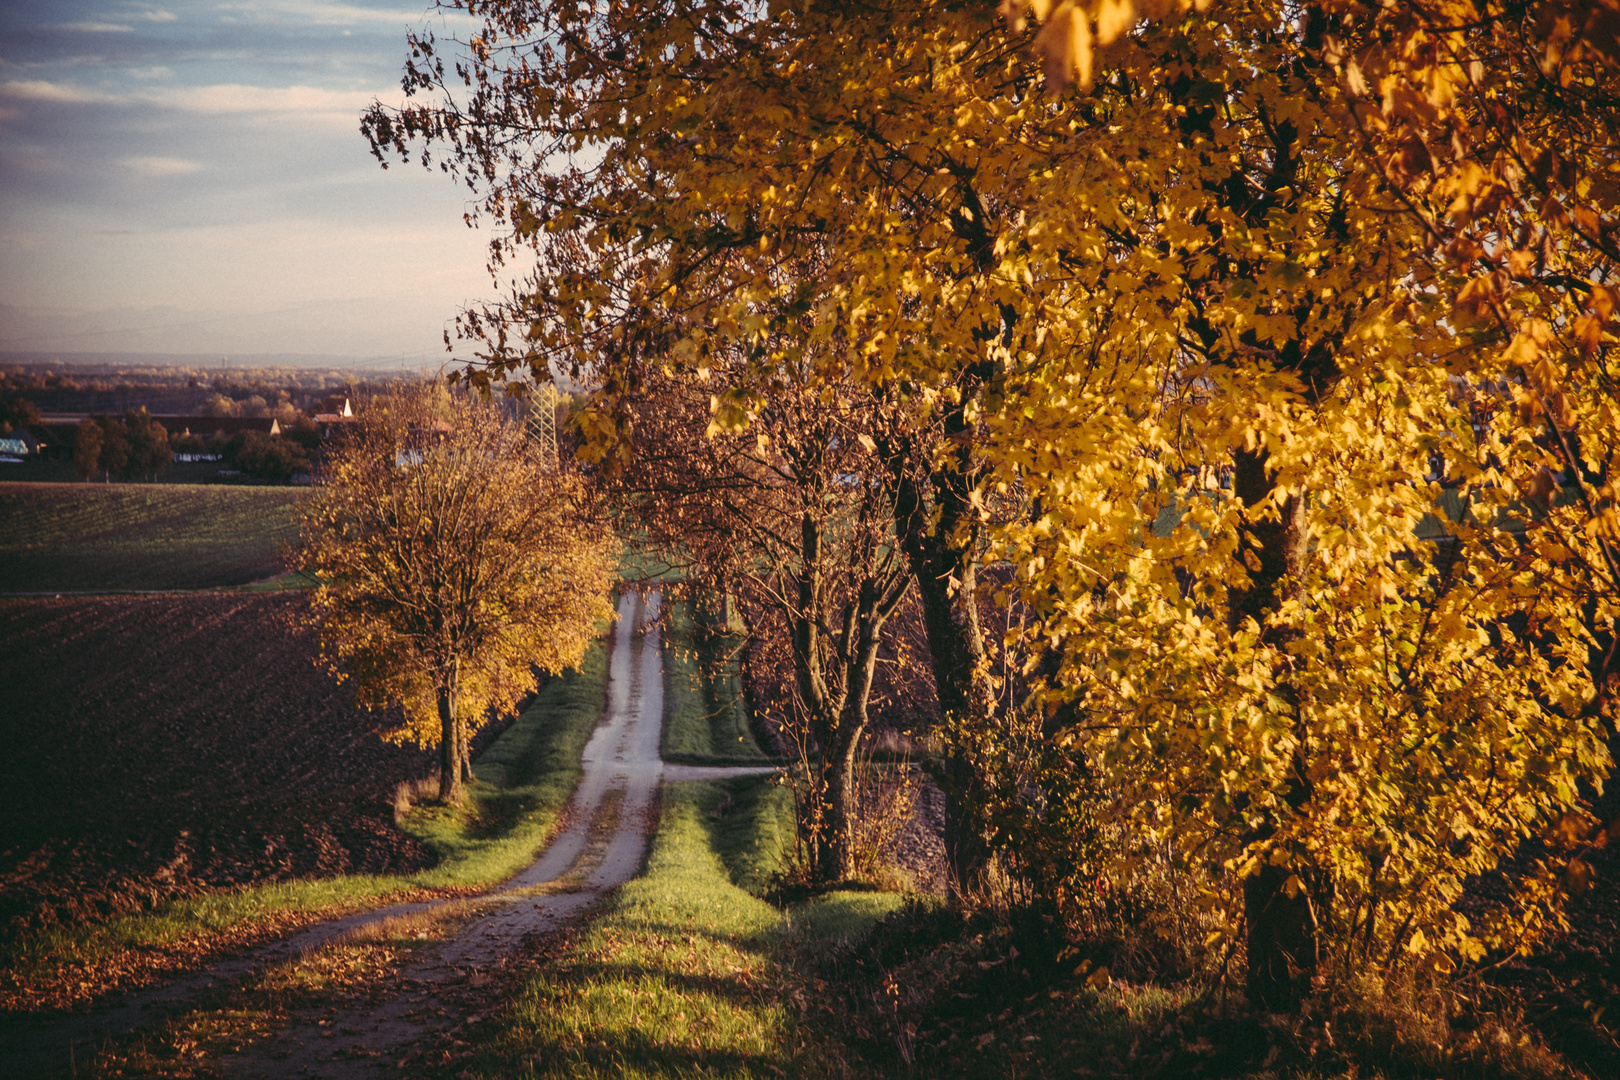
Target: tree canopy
<point>133,447</point>
<point>796,515</point>
<point>451,563</point>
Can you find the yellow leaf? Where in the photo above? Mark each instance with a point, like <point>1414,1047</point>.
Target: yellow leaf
<point>1064,49</point>
<point>1577,877</point>
<point>1114,17</point>
<point>1589,332</point>
<point>1013,13</point>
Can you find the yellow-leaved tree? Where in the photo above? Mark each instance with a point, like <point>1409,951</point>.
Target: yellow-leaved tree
<point>1216,315</point>
<point>451,562</point>
<point>1458,681</point>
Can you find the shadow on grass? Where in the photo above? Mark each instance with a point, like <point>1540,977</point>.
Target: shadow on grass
<point>706,719</point>
<point>683,973</point>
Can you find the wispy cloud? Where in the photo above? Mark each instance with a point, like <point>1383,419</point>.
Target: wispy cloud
<point>96,27</point>
<point>41,90</point>
<point>235,98</point>
<point>156,16</point>
<point>218,99</point>
<point>153,167</point>
<point>320,13</point>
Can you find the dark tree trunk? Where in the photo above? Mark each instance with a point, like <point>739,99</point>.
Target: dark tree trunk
<point>843,812</point>
<point>834,674</point>
<point>1282,945</point>
<point>1278,546</point>
<point>817,695</point>
<point>843,797</point>
<point>450,752</point>
<point>1281,940</point>
<point>945,571</point>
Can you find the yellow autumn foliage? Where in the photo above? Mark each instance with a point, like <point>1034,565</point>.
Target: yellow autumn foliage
<point>1244,305</point>
<point>451,563</point>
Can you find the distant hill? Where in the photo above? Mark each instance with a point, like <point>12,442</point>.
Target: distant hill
<point>179,385</point>
<point>125,361</point>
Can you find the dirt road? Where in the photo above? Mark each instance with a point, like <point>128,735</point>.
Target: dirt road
<point>602,846</point>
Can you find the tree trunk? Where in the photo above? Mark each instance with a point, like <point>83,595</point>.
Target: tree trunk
<point>1281,940</point>
<point>946,575</point>
<point>843,796</point>
<point>843,812</point>
<point>451,791</point>
<point>816,695</point>
<point>465,740</point>
<point>1282,945</point>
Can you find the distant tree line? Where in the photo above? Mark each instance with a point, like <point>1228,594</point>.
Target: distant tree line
<point>15,412</point>
<point>176,389</point>
<point>276,458</point>
<point>134,447</point>
<point>137,447</point>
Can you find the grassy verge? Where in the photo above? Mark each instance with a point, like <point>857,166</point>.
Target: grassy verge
<point>290,579</point>
<point>683,974</point>
<point>706,719</point>
<point>525,780</point>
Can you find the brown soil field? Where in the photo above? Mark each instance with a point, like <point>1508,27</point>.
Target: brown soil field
<point>160,746</point>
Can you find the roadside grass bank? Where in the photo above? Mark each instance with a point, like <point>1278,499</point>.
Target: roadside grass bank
<point>287,579</point>
<point>932,993</point>
<point>706,716</point>
<point>526,778</point>
<point>112,537</point>
<point>686,971</point>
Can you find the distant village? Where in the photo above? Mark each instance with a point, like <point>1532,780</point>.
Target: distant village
<point>171,423</point>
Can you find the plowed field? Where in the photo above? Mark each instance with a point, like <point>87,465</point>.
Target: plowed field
<point>157,746</point>
<point>90,537</point>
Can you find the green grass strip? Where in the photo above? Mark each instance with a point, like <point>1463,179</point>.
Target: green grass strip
<point>526,778</point>
<point>705,716</point>
<point>684,973</point>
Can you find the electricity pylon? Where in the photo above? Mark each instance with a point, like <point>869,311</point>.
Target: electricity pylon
<point>543,422</point>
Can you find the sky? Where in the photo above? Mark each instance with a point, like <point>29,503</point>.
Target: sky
<point>188,176</point>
